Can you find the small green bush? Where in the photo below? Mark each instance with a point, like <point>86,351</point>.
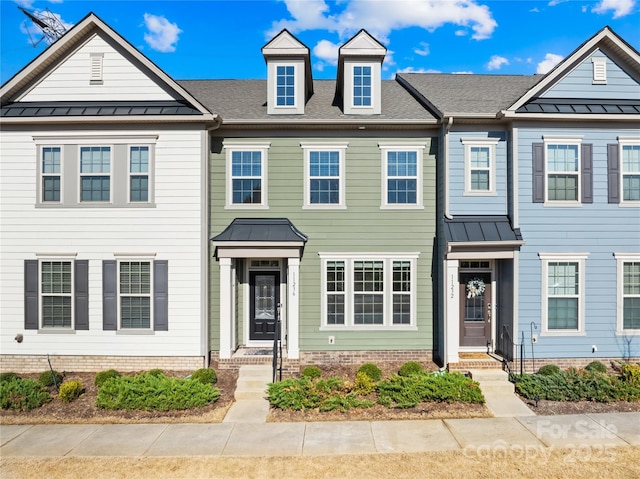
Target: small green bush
<point>363,384</point>
<point>23,394</point>
<point>311,372</point>
<point>596,367</point>
<point>548,370</point>
<point>102,377</point>
<point>372,371</point>
<point>70,390</point>
<point>47,378</point>
<point>205,376</point>
<point>8,376</point>
<point>155,372</point>
<point>147,392</point>
<point>630,373</point>
<point>410,368</point>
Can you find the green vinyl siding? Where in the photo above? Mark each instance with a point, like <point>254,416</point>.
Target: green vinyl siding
<point>362,228</point>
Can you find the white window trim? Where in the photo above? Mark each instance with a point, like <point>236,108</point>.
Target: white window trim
<point>126,258</point>
<point>387,259</point>
<point>352,97</point>
<point>56,257</point>
<point>547,258</point>
<point>230,147</point>
<point>562,140</point>
<point>341,148</point>
<point>385,148</point>
<point>482,143</point>
<point>147,174</point>
<point>110,174</point>
<point>43,175</point>
<point>621,259</point>
<point>295,86</point>
<point>622,142</point>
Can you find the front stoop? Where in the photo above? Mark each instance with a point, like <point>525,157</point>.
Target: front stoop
<point>251,404</point>
<point>499,393</point>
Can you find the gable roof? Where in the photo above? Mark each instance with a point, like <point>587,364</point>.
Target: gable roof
<point>605,39</point>
<point>466,95</point>
<point>58,51</point>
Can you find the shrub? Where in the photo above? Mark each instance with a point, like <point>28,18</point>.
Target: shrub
<point>156,372</point>
<point>549,370</point>
<point>372,371</point>
<point>8,376</point>
<point>23,394</point>
<point>102,377</point>
<point>410,368</point>
<point>363,384</point>
<point>49,378</point>
<point>155,393</point>
<point>205,376</point>
<point>630,373</point>
<point>596,367</point>
<point>311,372</point>
<point>70,390</point>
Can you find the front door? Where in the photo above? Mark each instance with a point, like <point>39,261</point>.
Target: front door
<point>265,296</point>
<point>475,309</point>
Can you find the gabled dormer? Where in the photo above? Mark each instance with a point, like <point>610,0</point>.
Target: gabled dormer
<point>289,82</point>
<point>359,85</point>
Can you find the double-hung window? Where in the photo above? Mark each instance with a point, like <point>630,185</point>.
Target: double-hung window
<point>246,175</point>
<point>134,287</point>
<point>51,173</point>
<point>374,292</point>
<point>285,85</point>
<point>563,293</point>
<point>401,176</point>
<point>95,173</point>
<point>630,172</point>
<point>57,294</point>
<point>480,168</point>
<point>324,175</point>
<point>362,91</point>
<point>139,174</point>
<point>563,172</point>
<point>628,293</point>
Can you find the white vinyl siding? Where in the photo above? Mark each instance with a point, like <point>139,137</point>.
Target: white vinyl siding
<point>563,293</point>
<point>376,292</point>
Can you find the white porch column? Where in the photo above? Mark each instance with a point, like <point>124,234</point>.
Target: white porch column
<point>293,308</point>
<point>225,308</point>
<point>452,318</point>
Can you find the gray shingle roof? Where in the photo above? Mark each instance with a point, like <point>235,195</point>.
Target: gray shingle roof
<point>469,94</point>
<point>245,100</point>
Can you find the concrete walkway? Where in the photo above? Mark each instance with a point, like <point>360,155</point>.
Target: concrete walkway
<point>536,435</point>
<point>499,393</point>
<point>251,404</point>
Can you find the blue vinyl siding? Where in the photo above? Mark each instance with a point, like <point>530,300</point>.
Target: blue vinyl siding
<point>461,204</point>
<point>579,83</point>
<point>599,229</point>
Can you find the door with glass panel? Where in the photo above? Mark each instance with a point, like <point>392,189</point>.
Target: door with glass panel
<point>475,309</point>
<point>265,296</point>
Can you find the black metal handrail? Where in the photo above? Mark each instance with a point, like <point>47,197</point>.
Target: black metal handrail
<point>277,349</point>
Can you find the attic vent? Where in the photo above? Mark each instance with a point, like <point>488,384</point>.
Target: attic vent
<point>599,70</point>
<point>95,77</point>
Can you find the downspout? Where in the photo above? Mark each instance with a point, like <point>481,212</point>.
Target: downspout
<point>205,241</point>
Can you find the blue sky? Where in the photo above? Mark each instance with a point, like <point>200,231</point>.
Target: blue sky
<point>206,39</point>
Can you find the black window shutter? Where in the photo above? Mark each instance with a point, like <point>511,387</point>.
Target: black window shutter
<point>81,294</point>
<point>613,177</point>
<point>109,295</point>
<point>31,283</point>
<point>587,173</point>
<point>161,295</point>
<point>538,172</point>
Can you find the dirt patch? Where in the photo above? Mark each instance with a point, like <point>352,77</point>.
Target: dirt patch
<point>552,408</point>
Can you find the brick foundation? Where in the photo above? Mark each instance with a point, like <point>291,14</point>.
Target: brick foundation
<point>33,363</point>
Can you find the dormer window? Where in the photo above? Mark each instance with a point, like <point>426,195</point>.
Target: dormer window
<point>362,86</point>
<point>285,80</point>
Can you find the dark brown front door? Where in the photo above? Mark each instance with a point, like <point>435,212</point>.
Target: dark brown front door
<point>475,309</point>
<point>265,296</point>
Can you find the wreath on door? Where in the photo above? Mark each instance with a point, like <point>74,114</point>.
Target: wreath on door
<point>475,287</point>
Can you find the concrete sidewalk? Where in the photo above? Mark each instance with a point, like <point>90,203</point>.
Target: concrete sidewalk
<point>522,435</point>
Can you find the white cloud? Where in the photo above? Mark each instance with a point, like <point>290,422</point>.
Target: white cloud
<point>326,51</point>
<point>496,62</point>
<point>534,10</point>
<point>550,61</point>
<point>620,7</point>
<point>162,35</point>
<point>380,17</point>
<point>418,70</point>
<point>422,49</point>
